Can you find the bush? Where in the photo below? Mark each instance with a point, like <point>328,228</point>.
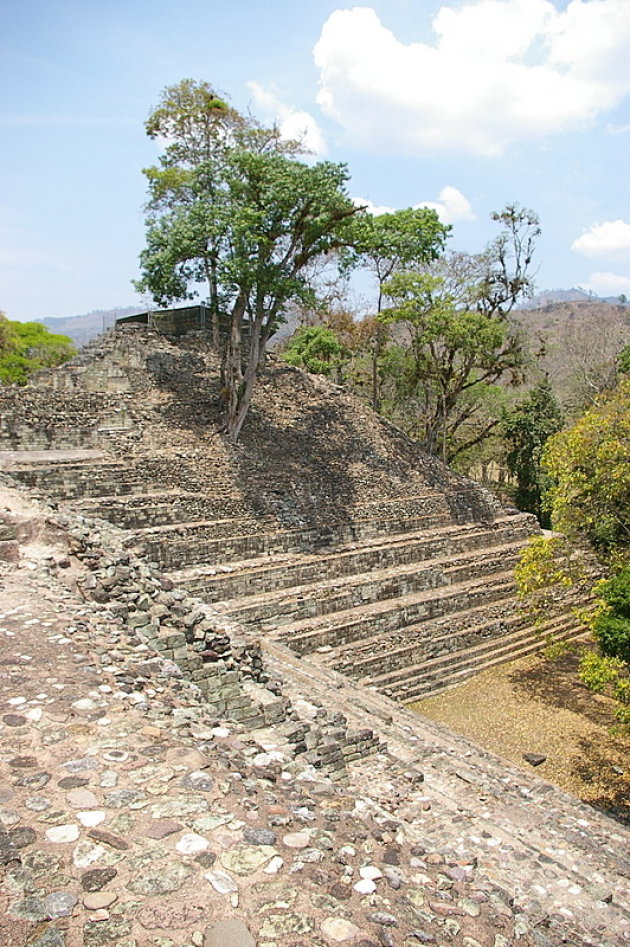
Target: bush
<point>613,635</point>
<point>616,593</point>
<point>612,627</point>
<point>596,672</point>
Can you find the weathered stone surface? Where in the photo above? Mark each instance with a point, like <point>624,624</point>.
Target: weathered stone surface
<point>246,746</point>
<point>245,861</point>
<point>228,934</point>
<point>279,925</point>
<point>221,881</point>
<point>62,834</point>
<point>163,879</point>
<point>162,828</point>
<point>97,878</point>
<point>60,903</point>
<point>99,899</point>
<point>339,931</point>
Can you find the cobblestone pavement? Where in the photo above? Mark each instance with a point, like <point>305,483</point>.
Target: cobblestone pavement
<point>129,816</point>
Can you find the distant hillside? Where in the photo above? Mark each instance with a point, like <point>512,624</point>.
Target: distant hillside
<point>82,329</point>
<point>578,343</point>
<point>575,294</point>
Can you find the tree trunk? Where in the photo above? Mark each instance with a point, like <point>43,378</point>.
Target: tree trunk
<point>213,289</point>
<point>240,385</point>
<point>232,379</point>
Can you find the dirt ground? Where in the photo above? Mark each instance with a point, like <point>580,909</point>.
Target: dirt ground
<point>538,705</point>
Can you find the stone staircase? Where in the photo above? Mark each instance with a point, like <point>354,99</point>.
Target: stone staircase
<point>401,598</point>
<point>409,596</point>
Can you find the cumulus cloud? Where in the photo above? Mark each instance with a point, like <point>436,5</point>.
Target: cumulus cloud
<point>451,206</point>
<point>609,284</point>
<point>375,209</point>
<point>610,239</point>
<point>498,71</point>
<point>293,123</point>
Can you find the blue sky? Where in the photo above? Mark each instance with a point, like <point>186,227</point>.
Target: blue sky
<point>465,105</point>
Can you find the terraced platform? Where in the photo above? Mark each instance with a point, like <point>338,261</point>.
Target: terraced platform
<point>326,529</point>
<point>403,597</point>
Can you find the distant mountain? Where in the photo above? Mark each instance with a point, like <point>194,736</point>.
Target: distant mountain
<point>575,295</point>
<point>577,344</point>
<point>82,329</point>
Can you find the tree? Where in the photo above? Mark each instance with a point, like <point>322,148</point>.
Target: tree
<point>505,275</point>
<point>453,341</point>
<point>589,464</point>
<point>388,244</point>
<point>317,349</point>
<point>447,359</point>
<point>589,501</point>
<point>526,430</point>
<point>27,347</point>
<point>257,218</point>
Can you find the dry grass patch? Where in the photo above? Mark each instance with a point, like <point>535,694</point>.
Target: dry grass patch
<point>538,705</point>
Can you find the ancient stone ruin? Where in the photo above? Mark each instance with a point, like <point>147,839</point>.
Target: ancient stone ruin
<point>304,585</point>
<point>327,531</point>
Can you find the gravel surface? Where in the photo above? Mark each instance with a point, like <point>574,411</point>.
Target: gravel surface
<point>536,705</point>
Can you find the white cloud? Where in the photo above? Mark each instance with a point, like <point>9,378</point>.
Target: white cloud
<point>498,71</point>
<point>609,284</point>
<point>610,239</point>
<point>452,206</point>
<point>375,209</point>
<point>293,123</point>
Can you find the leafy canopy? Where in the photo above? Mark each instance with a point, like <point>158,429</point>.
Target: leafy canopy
<point>446,362</point>
<point>589,464</point>
<point>315,348</point>
<point>526,430</point>
<point>27,347</point>
<point>230,205</point>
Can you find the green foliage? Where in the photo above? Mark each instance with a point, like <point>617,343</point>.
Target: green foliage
<point>526,430</point>
<point>554,650</point>
<point>391,243</point>
<point>597,671</point>
<point>621,690</point>
<point>615,592</point>
<point>624,360</point>
<point>230,206</point>
<point>612,626</point>
<point>613,635</point>
<point>546,563</point>
<point>443,373</point>
<point>27,347</point>
<point>589,464</point>
<point>315,348</point>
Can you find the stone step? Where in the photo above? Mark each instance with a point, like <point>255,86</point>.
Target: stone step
<point>198,543</point>
<point>260,576</point>
<point>162,508</point>
<point>69,481</point>
<point>355,624</point>
<point>412,644</point>
<point>281,607</point>
<point>445,673</point>
<point>517,627</point>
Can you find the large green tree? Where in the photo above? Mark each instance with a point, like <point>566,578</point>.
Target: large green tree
<point>248,217</point>
<point>455,346</point>
<point>446,363</point>
<point>589,466</point>
<point>527,429</point>
<point>27,347</point>
<point>387,244</point>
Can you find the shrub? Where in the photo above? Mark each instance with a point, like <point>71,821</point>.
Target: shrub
<point>613,635</point>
